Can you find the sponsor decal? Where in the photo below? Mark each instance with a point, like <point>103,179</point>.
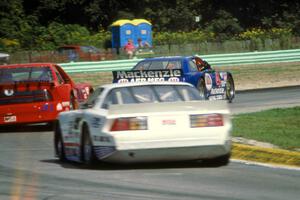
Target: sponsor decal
<point>96,122</point>
<point>47,107</point>
<point>65,103</point>
<point>169,122</point>
<point>8,92</point>
<point>216,97</point>
<point>173,75</point>
<point>59,107</point>
<point>218,78</point>
<point>101,138</point>
<point>217,91</point>
<point>208,81</point>
<point>11,118</point>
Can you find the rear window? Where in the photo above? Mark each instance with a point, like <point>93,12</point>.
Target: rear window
<point>158,65</point>
<point>151,94</point>
<point>25,74</point>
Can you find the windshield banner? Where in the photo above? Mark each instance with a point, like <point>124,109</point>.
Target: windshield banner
<point>172,75</point>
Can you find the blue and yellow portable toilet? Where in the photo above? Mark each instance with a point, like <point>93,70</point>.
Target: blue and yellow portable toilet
<point>125,29</point>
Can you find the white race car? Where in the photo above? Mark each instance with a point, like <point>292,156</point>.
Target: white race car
<point>145,122</point>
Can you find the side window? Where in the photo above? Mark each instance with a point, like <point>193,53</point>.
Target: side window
<point>192,66</point>
<point>156,65</point>
<point>59,77</point>
<point>142,66</point>
<point>174,65</point>
<point>92,98</point>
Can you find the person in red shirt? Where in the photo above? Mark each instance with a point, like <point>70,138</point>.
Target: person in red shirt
<point>129,49</point>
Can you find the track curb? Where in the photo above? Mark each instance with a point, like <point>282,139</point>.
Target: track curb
<point>265,155</point>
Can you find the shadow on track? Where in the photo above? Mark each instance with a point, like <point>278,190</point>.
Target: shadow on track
<point>26,128</point>
<point>132,166</point>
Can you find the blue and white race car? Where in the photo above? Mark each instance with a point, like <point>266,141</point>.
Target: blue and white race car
<point>212,84</point>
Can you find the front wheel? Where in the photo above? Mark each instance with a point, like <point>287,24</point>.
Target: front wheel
<point>73,103</point>
<point>230,90</point>
<point>87,153</point>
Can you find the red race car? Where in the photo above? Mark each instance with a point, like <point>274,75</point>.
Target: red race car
<point>37,92</point>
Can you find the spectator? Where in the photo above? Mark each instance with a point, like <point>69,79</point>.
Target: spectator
<point>142,44</point>
<point>129,49</point>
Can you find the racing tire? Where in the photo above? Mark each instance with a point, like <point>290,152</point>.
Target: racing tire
<point>58,143</point>
<point>202,89</point>
<point>218,161</point>
<point>73,104</point>
<point>230,89</point>
<point>87,153</point>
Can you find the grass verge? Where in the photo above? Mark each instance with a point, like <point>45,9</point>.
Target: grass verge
<point>279,126</point>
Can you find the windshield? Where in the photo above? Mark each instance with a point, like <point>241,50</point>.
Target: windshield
<point>25,74</point>
<point>151,94</point>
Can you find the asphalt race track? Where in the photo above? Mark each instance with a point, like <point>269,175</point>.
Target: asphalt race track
<point>29,171</point>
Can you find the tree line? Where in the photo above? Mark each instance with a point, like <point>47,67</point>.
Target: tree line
<point>45,24</point>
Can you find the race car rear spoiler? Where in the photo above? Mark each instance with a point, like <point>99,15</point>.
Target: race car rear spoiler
<point>173,75</point>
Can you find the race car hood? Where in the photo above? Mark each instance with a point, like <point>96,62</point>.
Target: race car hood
<point>167,107</point>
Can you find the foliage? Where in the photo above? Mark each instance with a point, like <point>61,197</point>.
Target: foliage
<point>160,38</point>
<point>265,33</point>
<point>48,23</point>
<point>224,25</point>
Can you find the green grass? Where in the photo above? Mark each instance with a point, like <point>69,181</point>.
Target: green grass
<point>280,127</point>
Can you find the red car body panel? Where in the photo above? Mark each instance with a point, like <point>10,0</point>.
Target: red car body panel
<point>33,100</point>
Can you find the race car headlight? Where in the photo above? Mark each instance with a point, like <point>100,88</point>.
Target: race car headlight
<point>129,124</point>
<point>206,120</point>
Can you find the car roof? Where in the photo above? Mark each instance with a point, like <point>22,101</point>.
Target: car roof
<point>28,65</point>
<point>167,58</point>
<point>131,84</point>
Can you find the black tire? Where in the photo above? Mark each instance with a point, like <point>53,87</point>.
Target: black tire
<point>87,152</point>
<point>73,104</point>
<point>230,89</point>
<point>218,161</point>
<point>58,143</point>
<point>202,89</point>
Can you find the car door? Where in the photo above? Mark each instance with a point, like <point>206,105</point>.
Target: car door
<point>64,89</point>
<point>191,73</point>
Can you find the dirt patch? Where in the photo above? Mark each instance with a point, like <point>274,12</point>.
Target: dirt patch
<point>265,75</point>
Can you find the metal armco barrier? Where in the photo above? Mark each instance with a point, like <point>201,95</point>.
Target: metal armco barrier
<point>215,60</point>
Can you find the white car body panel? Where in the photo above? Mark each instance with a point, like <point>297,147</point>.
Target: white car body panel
<point>169,136</point>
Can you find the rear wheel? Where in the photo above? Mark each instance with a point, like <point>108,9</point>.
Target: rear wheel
<point>202,89</point>
<point>218,161</point>
<point>87,153</point>
<point>73,103</point>
<point>230,90</point>
<point>58,143</point>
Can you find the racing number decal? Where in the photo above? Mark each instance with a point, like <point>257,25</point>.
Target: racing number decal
<point>208,82</point>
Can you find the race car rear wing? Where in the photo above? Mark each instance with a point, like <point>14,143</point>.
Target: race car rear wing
<point>173,75</point>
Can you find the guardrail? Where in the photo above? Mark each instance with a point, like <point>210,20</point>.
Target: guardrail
<point>215,60</point>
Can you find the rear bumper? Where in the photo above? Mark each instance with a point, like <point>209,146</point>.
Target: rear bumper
<point>28,113</point>
<point>169,154</point>
<point>154,151</point>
